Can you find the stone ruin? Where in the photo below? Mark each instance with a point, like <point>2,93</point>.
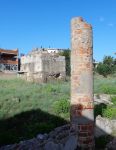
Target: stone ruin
<point>41,67</point>
<point>79,134</point>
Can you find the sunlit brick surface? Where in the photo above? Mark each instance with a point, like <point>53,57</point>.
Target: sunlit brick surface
<point>82,117</point>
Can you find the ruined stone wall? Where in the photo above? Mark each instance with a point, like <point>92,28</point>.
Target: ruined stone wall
<point>42,67</point>
<point>53,66</point>
<point>31,63</point>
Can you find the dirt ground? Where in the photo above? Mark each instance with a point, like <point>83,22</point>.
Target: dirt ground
<point>8,75</point>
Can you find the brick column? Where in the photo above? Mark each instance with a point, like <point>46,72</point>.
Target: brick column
<point>82,116</point>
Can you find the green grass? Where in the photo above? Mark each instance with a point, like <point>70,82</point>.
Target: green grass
<point>114,100</point>
<point>19,96</point>
<point>27,109</point>
<point>110,112</point>
<point>104,85</point>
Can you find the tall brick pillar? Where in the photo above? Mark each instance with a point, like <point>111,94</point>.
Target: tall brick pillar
<point>82,116</point>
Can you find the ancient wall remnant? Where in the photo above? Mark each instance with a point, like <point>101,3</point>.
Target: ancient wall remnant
<point>40,66</point>
<point>82,117</point>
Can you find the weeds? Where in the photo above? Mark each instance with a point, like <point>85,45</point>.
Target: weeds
<point>27,109</point>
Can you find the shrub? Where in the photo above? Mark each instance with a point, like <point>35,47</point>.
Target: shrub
<point>114,100</point>
<point>108,89</point>
<point>67,53</point>
<point>98,109</point>
<point>103,69</point>
<point>108,66</point>
<point>61,106</point>
<point>110,112</point>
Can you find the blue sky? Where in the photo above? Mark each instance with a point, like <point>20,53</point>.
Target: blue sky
<point>26,24</point>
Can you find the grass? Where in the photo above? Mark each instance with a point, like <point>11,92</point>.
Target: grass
<point>104,85</point>
<point>30,108</point>
<point>27,109</point>
<point>18,96</point>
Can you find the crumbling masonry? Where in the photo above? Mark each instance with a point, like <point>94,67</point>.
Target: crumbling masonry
<point>41,66</point>
<point>82,116</point>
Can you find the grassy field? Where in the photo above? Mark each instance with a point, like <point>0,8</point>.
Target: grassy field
<point>27,109</point>
<point>104,85</point>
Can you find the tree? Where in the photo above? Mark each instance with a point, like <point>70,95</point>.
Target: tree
<point>108,60</point>
<point>67,53</point>
<point>103,69</point>
<point>108,66</point>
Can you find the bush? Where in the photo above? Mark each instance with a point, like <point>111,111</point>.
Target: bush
<point>103,69</point>
<point>61,106</point>
<point>108,66</point>
<point>67,54</point>
<point>114,100</point>
<point>108,89</point>
<point>110,112</point>
<point>98,109</point>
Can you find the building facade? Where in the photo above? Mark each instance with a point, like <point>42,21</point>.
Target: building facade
<point>8,60</point>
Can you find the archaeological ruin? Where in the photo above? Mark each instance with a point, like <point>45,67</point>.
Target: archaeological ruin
<point>42,66</point>
<point>82,107</point>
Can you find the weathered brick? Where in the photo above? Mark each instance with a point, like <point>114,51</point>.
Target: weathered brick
<point>82,81</point>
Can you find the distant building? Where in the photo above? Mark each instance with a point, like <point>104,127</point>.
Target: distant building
<point>8,60</point>
<point>95,64</point>
<point>49,50</point>
<point>54,50</point>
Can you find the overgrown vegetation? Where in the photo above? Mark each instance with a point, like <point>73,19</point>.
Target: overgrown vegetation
<point>107,67</point>
<point>27,109</point>
<point>62,107</point>
<point>67,54</point>
<point>110,112</point>
<point>107,111</point>
<point>104,85</point>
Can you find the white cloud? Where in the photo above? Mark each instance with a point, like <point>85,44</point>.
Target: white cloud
<point>110,24</point>
<point>102,19</point>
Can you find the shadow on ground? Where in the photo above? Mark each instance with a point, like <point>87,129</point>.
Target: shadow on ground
<point>101,142</point>
<point>30,123</point>
<point>98,109</point>
<point>27,125</point>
